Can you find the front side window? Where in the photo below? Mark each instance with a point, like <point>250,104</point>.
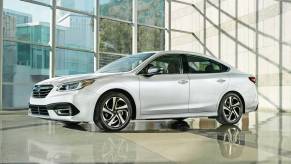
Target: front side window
<point>169,64</point>
<point>197,64</point>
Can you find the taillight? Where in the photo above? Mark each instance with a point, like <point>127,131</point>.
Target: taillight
<point>253,79</point>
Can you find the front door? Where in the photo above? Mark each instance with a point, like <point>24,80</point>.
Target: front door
<point>168,92</point>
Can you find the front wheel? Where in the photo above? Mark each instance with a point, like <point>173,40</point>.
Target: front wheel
<point>230,109</point>
<point>113,112</point>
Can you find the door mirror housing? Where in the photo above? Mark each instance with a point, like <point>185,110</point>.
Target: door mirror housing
<point>153,71</point>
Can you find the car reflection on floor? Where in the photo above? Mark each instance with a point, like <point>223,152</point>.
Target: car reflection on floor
<point>253,140</point>
<point>109,149</point>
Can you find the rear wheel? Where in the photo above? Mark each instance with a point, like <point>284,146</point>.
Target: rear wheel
<point>230,109</point>
<point>113,112</point>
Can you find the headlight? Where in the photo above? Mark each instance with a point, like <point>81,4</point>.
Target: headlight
<point>76,85</point>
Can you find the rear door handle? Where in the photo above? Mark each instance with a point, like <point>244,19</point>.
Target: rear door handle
<point>183,81</point>
<point>220,80</point>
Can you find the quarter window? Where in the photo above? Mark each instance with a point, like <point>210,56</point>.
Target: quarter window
<point>198,64</point>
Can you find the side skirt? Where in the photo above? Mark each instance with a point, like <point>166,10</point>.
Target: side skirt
<point>169,116</point>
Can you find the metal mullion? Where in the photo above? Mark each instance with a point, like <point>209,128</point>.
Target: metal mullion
<point>96,37</point>
<point>152,26</point>
<point>1,53</point>
<point>280,57</point>
<point>219,29</point>
<point>182,31</point>
<point>75,49</point>
<point>134,27</point>
<point>25,42</point>
<point>257,66</point>
<point>37,3</point>
<point>113,53</point>
<point>257,44</point>
<point>116,19</point>
<point>236,33</point>
<point>75,11</point>
<point>170,25</point>
<point>17,83</point>
<point>52,41</point>
<point>204,27</point>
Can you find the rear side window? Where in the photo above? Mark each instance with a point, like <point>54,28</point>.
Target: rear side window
<point>197,64</point>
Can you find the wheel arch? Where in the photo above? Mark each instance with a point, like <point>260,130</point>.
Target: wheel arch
<point>127,94</point>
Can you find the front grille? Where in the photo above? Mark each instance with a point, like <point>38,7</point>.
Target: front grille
<point>41,91</point>
<point>38,110</point>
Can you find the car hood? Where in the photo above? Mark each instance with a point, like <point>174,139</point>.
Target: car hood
<point>71,78</point>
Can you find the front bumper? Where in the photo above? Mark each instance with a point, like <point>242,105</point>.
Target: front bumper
<point>82,104</point>
<point>52,111</point>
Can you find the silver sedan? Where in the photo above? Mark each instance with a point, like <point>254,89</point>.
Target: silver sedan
<point>150,85</point>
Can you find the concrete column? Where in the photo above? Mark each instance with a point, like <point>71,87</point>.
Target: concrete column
<point>236,33</point>
<point>281,56</point>
<point>134,26</point>
<point>219,29</point>
<point>257,42</point>
<point>96,37</point>
<point>53,41</point>
<point>169,47</point>
<point>204,27</point>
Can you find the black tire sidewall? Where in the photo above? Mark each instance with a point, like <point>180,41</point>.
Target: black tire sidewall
<point>221,117</point>
<point>98,111</point>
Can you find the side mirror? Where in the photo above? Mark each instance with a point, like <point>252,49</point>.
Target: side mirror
<point>153,71</point>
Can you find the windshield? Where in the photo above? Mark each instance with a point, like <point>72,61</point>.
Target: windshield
<point>125,64</point>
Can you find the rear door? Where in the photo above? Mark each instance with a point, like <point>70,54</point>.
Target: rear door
<point>208,80</point>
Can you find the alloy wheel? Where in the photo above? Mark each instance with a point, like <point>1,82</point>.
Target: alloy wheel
<point>231,108</point>
<point>115,112</point>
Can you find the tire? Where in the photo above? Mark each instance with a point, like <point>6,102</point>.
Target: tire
<point>180,125</point>
<point>113,112</point>
<point>230,109</point>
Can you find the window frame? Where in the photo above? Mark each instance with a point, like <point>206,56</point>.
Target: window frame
<point>186,66</point>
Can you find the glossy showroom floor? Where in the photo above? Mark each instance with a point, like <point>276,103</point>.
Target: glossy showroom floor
<point>259,138</point>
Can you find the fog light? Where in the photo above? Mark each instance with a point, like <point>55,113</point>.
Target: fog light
<point>64,111</point>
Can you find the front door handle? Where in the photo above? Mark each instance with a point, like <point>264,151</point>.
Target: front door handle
<point>220,80</point>
<point>183,81</point>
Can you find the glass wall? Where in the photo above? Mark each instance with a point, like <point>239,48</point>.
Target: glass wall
<point>115,37</point>
<point>121,9</point>
<point>25,50</point>
<point>28,45</point>
<point>150,39</point>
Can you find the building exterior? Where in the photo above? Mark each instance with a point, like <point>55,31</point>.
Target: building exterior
<point>251,35</point>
